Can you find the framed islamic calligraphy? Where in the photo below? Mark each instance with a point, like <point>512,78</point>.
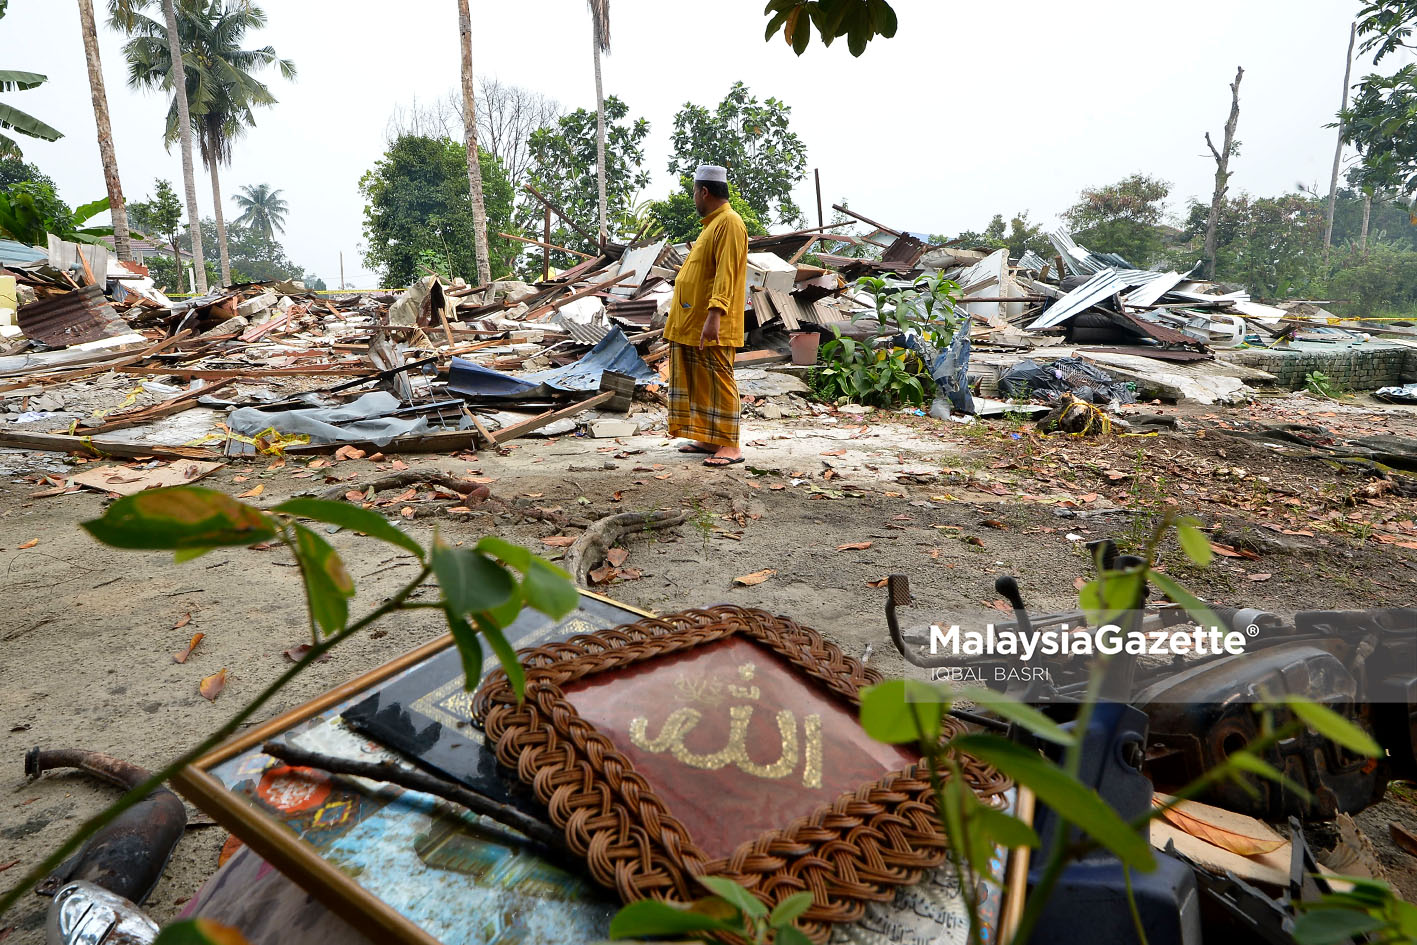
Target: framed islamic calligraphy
<point>721,742</point>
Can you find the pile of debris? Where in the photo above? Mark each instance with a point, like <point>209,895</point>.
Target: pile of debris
<point>93,349</point>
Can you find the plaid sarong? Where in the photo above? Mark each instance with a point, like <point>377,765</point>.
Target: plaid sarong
<point>703,397</point>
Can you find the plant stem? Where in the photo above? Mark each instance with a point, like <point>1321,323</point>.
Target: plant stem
<point>106,816</point>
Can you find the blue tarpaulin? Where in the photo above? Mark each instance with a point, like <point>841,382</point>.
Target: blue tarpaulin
<point>613,353</point>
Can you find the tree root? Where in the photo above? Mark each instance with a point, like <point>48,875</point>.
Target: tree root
<point>596,540</point>
<point>472,491</point>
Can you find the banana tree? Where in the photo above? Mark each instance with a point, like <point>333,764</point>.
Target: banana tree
<point>23,218</point>
<point>11,118</point>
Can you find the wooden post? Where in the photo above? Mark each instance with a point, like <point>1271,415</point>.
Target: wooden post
<point>341,270</point>
<point>546,253</point>
<point>817,173</point>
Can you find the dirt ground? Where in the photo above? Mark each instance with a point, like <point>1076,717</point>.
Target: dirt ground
<point>88,632</point>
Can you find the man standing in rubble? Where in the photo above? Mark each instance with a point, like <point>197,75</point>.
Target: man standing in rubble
<point>705,326</point>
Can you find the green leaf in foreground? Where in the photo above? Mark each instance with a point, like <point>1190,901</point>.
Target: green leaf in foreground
<point>1194,543</point>
<point>1334,727</point>
<point>1333,926</point>
<point>199,932</point>
<point>1197,609</point>
<point>180,517</point>
<point>902,711</point>
<point>790,909</point>
<point>650,918</point>
<point>465,639</point>
<point>505,654</point>
<point>735,895</point>
<point>1079,805</point>
<point>1014,711</point>
<point>328,586</point>
<point>471,581</point>
<point>353,518</point>
<point>549,589</point>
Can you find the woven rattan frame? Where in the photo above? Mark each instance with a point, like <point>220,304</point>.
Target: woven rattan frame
<point>858,849</point>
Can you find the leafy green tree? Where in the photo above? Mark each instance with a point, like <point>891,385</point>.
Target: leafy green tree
<point>159,216</point>
<point>676,218</point>
<point>223,91</point>
<point>1123,218</point>
<point>1018,237</point>
<point>30,211</point>
<point>262,209</point>
<point>11,118</point>
<point>14,170</point>
<point>1381,121</point>
<point>765,159</point>
<point>860,21</point>
<point>416,201</point>
<point>563,168</point>
<point>1382,277</point>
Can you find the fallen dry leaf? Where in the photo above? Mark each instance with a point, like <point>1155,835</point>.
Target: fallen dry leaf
<point>399,464</point>
<point>881,583</point>
<point>239,478</point>
<point>182,621</point>
<point>29,544</point>
<point>616,556</point>
<point>406,511</point>
<point>854,546</point>
<point>376,458</point>
<point>228,849</point>
<point>533,495</point>
<point>559,541</point>
<point>777,486</point>
<point>253,492</point>
<point>318,463</point>
<point>835,453</point>
<point>211,686</point>
<point>757,577</point>
<point>191,645</point>
<point>1260,577</point>
<point>602,575</point>
<point>354,495</point>
<point>349,452</point>
<point>296,653</point>
<point>1403,837</point>
<point>665,476</point>
<point>1221,837</point>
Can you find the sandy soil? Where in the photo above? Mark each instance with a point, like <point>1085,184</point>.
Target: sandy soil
<point>88,632</point>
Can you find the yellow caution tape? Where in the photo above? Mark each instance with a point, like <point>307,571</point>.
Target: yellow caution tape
<point>128,401</point>
<point>268,441</point>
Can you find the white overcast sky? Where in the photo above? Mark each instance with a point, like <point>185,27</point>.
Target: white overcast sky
<point>974,108</point>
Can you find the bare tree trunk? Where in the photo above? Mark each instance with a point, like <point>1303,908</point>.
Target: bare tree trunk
<point>220,224</point>
<point>599,132</point>
<point>474,162</point>
<point>1338,148</point>
<point>184,130</point>
<point>118,212</point>
<point>1222,173</point>
<point>1367,213</point>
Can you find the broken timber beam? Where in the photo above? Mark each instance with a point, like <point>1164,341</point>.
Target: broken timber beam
<point>544,310</point>
<point>88,446</point>
<point>551,416</point>
<point>865,219</point>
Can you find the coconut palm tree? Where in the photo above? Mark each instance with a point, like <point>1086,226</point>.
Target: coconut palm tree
<point>262,210</point>
<point>474,158</point>
<point>123,15</point>
<point>11,118</point>
<point>118,212</point>
<point>600,35</point>
<point>222,91</point>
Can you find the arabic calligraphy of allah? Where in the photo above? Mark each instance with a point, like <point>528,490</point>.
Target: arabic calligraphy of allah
<point>736,740</point>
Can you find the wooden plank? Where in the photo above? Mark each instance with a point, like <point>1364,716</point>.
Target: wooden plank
<point>358,370</point>
<point>88,446</point>
<point>749,359</point>
<point>167,408</point>
<point>551,416</point>
<point>545,310</point>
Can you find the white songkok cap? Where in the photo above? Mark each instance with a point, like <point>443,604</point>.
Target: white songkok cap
<point>711,172</point>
